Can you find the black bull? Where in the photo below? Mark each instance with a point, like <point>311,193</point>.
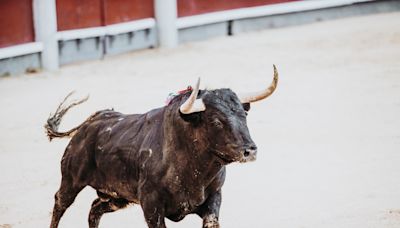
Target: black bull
<point>170,160</point>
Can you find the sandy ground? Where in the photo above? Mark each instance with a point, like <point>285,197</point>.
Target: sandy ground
<point>329,138</point>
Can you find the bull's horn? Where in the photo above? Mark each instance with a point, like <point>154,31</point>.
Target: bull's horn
<point>256,96</point>
<point>192,104</point>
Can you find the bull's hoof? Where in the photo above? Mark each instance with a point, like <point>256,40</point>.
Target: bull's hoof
<point>211,221</point>
<point>211,225</point>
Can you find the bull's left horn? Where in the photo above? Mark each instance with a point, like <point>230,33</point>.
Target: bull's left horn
<point>192,104</point>
<point>257,96</point>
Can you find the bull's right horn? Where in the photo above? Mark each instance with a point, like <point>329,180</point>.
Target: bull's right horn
<point>192,104</point>
<point>257,96</point>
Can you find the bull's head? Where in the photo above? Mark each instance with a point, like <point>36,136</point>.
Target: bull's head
<point>222,115</point>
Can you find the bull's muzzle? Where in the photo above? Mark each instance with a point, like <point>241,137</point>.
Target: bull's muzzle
<point>249,154</point>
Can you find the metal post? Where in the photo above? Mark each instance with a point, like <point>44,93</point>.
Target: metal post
<point>45,21</point>
<point>166,14</point>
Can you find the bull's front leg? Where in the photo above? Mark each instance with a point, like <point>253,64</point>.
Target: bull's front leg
<point>154,217</point>
<point>154,212</point>
<point>209,211</point>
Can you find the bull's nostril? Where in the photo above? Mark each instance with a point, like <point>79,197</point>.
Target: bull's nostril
<point>249,150</point>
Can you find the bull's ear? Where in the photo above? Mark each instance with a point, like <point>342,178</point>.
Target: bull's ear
<point>246,106</point>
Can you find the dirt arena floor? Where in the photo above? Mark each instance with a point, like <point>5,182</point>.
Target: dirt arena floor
<point>329,138</point>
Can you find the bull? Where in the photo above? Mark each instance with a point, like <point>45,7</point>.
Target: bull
<point>171,160</point>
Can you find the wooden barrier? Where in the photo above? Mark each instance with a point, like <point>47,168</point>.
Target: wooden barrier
<point>195,7</point>
<point>16,22</point>
<point>77,14</point>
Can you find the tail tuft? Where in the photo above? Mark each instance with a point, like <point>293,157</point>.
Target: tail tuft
<point>54,120</point>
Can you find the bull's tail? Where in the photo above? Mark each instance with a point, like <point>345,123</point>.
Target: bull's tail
<point>54,120</point>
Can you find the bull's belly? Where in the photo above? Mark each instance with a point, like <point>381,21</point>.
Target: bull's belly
<point>117,189</point>
<point>106,194</point>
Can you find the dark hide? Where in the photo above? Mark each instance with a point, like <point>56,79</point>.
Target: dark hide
<point>169,163</point>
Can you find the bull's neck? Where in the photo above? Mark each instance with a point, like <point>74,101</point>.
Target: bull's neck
<point>187,149</point>
<point>192,155</point>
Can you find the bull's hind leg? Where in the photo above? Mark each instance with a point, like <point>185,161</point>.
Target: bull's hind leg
<point>63,199</point>
<point>103,205</point>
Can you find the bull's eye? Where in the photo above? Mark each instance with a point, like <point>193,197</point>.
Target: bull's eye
<point>218,123</point>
